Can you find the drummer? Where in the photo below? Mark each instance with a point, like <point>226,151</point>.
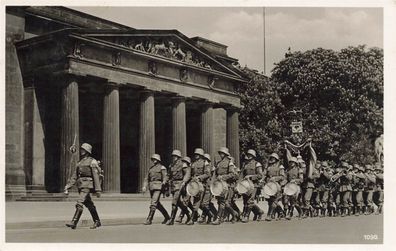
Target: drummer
<point>224,171</point>
<point>200,171</point>
<point>294,175</point>
<point>323,188</point>
<point>274,173</point>
<point>253,170</point>
<point>232,192</point>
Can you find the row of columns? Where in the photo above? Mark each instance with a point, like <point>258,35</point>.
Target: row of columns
<point>111,132</point>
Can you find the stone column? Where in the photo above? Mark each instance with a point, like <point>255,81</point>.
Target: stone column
<point>34,138</point>
<point>179,135</point>
<point>233,134</point>
<point>146,134</point>
<point>69,131</point>
<point>207,129</point>
<point>111,139</point>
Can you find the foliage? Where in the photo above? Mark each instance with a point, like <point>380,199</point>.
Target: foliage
<point>339,92</point>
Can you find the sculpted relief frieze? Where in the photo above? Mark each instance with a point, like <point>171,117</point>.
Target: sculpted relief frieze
<point>165,47</point>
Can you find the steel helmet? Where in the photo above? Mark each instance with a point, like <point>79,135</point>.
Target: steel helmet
<point>252,152</point>
<point>356,166</point>
<point>325,164</point>
<point>187,160</point>
<point>176,153</point>
<point>87,147</point>
<point>293,159</point>
<point>199,151</point>
<point>224,150</point>
<point>275,156</point>
<point>207,156</point>
<point>156,157</point>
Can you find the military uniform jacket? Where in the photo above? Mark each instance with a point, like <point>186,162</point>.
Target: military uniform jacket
<point>254,169</point>
<point>86,175</point>
<point>200,169</point>
<point>295,174</point>
<point>345,182</point>
<point>275,172</point>
<point>323,182</point>
<point>156,176</point>
<point>359,181</point>
<point>226,170</point>
<point>370,182</point>
<point>380,181</point>
<point>179,172</point>
<point>310,182</point>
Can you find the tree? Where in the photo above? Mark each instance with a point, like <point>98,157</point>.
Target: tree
<point>341,96</point>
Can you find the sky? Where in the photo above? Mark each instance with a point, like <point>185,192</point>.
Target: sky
<point>242,29</point>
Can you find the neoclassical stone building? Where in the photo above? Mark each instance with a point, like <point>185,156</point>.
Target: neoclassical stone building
<point>73,78</point>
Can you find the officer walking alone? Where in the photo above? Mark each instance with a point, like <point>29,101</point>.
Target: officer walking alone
<point>86,178</point>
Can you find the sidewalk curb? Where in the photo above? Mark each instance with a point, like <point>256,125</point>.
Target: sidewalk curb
<point>82,223</point>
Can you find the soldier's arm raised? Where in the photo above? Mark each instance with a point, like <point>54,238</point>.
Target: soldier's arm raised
<point>259,172</point>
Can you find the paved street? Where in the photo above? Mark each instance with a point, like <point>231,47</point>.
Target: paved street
<point>318,230</point>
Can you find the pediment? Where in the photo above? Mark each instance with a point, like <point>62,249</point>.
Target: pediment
<point>168,44</point>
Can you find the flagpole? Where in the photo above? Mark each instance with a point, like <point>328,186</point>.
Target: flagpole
<point>264,39</point>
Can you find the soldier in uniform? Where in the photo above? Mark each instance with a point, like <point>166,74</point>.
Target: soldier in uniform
<point>155,180</point>
<point>200,171</point>
<point>359,181</point>
<point>323,188</point>
<point>315,198</point>
<point>252,170</point>
<point>86,177</point>
<point>309,187</point>
<point>369,189</point>
<point>233,194</point>
<point>224,170</point>
<point>345,188</point>
<point>293,175</point>
<point>379,193</point>
<point>179,175</point>
<point>275,173</point>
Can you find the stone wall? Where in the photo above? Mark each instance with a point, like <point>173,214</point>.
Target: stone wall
<point>15,176</point>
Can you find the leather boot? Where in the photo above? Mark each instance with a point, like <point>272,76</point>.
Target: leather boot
<point>322,212</point>
<point>76,218</point>
<point>219,216</point>
<point>163,211</point>
<point>357,211</point>
<point>95,217</point>
<point>298,208</point>
<point>202,219</point>
<point>288,213</point>
<point>193,218</point>
<point>259,212</point>
<point>269,214</point>
<point>180,217</point>
<point>343,211</point>
<point>187,214</point>
<point>234,214</point>
<point>380,209</point>
<point>245,218</point>
<point>150,216</point>
<point>173,216</point>
<point>213,209</point>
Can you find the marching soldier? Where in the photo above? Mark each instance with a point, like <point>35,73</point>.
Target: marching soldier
<point>309,187</point>
<point>315,198</point>
<point>179,175</point>
<point>323,188</point>
<point>379,188</point>
<point>252,170</point>
<point>86,177</point>
<point>369,189</point>
<point>233,193</point>
<point>345,188</point>
<point>200,170</point>
<point>293,175</point>
<point>224,170</point>
<point>359,181</point>
<point>275,173</point>
<point>155,180</point>
<point>212,207</point>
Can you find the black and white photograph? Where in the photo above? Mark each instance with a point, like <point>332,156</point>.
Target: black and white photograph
<point>226,124</point>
